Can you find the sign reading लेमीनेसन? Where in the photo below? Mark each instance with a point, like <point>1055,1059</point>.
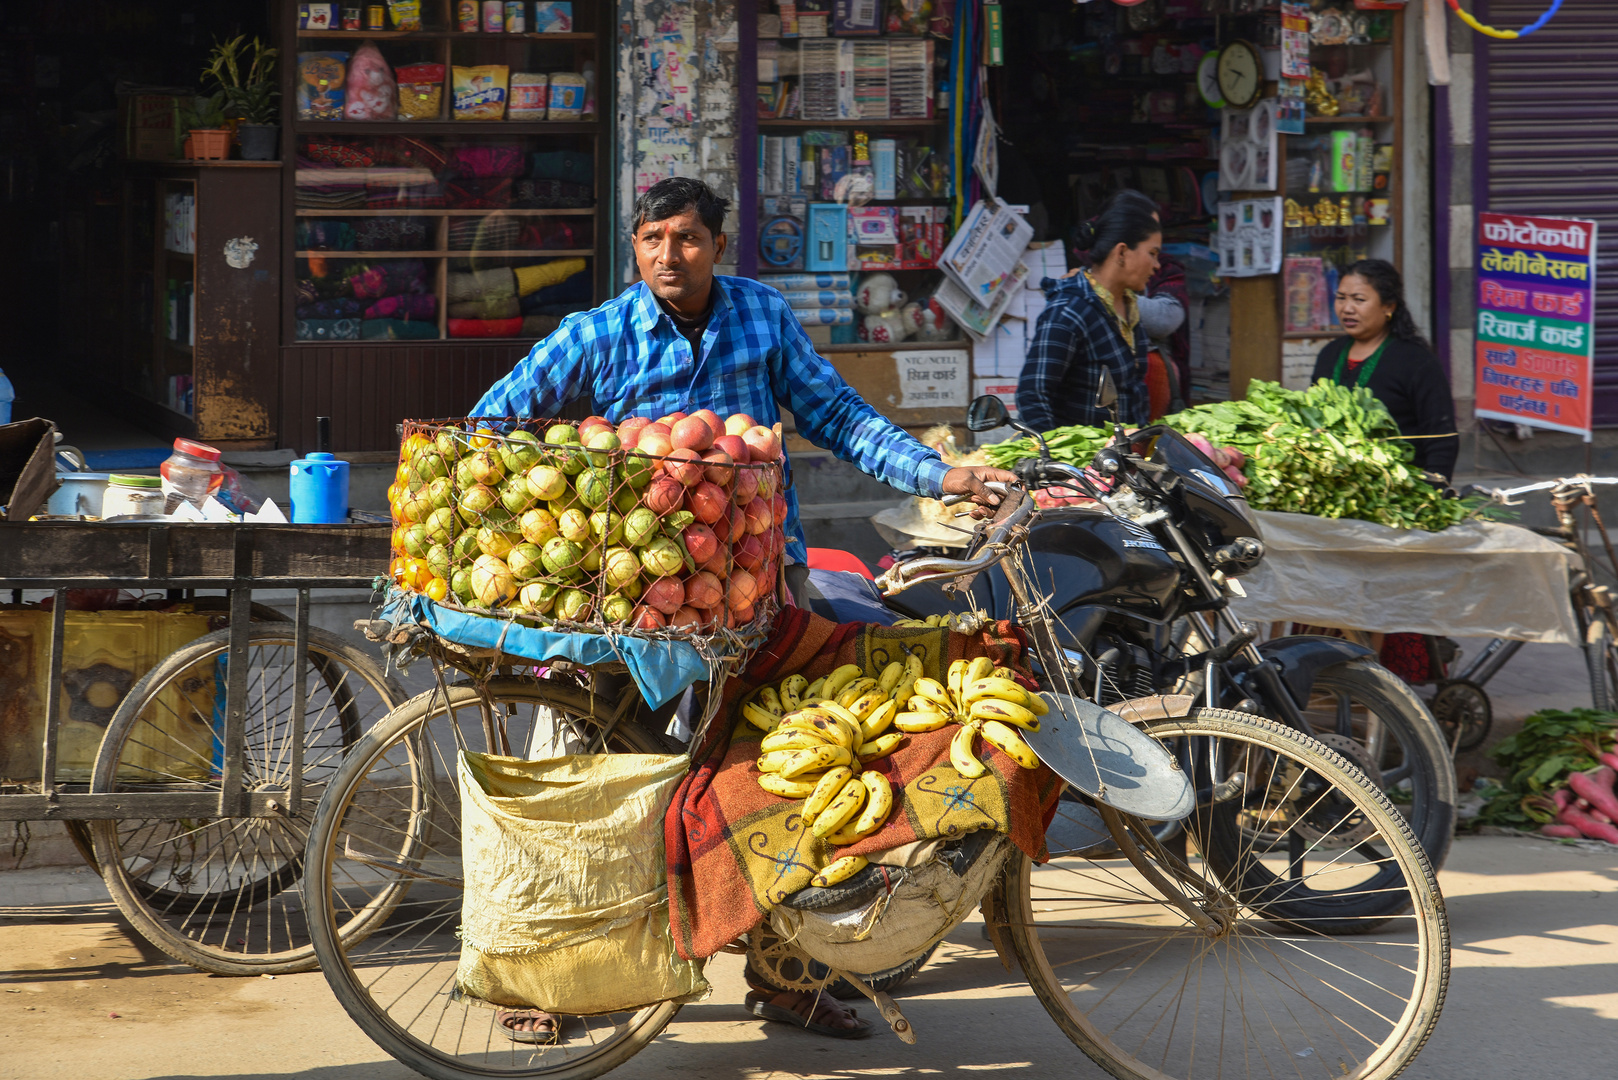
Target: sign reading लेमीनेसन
<point>1536,320</point>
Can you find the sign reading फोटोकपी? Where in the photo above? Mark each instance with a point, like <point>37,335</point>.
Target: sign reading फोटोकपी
<point>1536,320</point>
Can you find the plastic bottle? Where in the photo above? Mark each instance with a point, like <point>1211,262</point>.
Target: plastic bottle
<point>7,396</point>
<point>319,489</point>
<point>192,472</point>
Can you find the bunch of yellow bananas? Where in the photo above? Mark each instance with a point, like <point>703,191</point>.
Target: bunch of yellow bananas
<point>819,736</point>
<point>962,622</point>
<point>984,700</point>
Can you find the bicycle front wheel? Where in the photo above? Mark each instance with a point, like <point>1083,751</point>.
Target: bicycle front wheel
<point>1156,969</point>
<point>385,854</point>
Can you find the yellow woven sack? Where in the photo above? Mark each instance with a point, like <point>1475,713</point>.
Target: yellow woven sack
<point>567,905</point>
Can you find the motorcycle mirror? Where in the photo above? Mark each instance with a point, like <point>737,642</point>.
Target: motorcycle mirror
<point>986,413</point>
<point>1106,391</point>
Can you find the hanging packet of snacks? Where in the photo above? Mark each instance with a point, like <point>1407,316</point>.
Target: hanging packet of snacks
<point>479,93</point>
<point>320,85</point>
<point>421,91</point>
<point>371,93</point>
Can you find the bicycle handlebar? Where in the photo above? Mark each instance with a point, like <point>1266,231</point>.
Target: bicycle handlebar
<point>1504,495</point>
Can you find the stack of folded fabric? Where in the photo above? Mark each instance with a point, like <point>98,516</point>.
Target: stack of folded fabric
<point>325,234</point>
<point>483,303</point>
<point>403,187</point>
<point>330,188</point>
<point>550,290</point>
<point>392,234</point>
<point>494,233</point>
<point>402,317</point>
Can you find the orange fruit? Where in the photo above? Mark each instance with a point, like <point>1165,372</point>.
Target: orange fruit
<point>417,574</point>
<point>401,475</point>
<point>437,589</point>
<point>396,570</point>
<point>488,438</point>
<point>413,445</point>
<point>396,541</point>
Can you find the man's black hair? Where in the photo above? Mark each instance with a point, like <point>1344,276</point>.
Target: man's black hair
<point>676,195</point>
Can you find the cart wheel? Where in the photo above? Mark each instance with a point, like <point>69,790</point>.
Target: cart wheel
<point>384,855</point>
<point>1464,704</point>
<point>79,831</point>
<point>217,893</point>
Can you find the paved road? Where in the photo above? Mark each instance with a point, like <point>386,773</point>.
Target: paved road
<point>1534,993</point>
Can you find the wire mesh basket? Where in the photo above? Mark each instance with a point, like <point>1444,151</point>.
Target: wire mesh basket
<point>562,525</point>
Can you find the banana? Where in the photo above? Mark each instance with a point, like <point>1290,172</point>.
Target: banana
<point>880,747</point>
<point>828,727</point>
<point>877,720</point>
<point>1004,690</point>
<point>980,668</point>
<point>772,762</point>
<point>890,677</point>
<point>800,788</point>
<point>904,690</point>
<point>998,673</point>
<point>938,620</point>
<point>842,809</point>
<point>935,691</point>
<point>841,870</point>
<point>839,679</point>
<point>854,691</point>
<point>917,703</point>
<point>863,706</point>
<point>849,720</point>
<point>1012,743</point>
<point>759,717</point>
<point>1005,712</point>
<point>792,689</point>
<point>771,701</point>
<point>913,667</point>
<point>910,623</point>
<point>817,760</point>
<point>792,739</point>
<point>812,691</point>
<point>917,722</point>
<point>961,757</point>
<point>825,791</point>
<point>952,680</point>
<point>878,803</point>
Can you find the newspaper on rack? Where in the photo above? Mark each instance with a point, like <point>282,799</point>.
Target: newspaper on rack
<point>976,317</point>
<point>986,249</point>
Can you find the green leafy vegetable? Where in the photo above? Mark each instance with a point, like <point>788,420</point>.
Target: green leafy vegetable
<point>1331,451</point>
<point>1551,745</point>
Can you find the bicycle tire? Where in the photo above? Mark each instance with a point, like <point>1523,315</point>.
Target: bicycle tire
<point>199,893</point>
<point>1135,927</point>
<point>408,730</point>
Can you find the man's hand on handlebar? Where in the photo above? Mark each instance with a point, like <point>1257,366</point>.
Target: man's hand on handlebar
<point>971,481</point>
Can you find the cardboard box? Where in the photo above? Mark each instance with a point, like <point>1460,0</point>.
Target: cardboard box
<point>148,125</point>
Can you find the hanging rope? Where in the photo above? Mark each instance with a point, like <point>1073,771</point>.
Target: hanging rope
<point>1505,35</point>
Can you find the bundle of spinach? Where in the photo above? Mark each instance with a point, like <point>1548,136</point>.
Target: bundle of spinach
<point>1331,451</point>
<point>1551,746</point>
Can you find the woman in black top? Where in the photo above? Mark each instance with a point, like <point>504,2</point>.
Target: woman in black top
<point>1385,353</point>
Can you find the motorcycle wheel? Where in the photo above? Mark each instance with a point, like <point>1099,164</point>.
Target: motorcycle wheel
<point>1369,715</point>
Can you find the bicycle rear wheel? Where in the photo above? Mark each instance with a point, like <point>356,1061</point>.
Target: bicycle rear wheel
<point>385,853</point>
<point>1155,968</point>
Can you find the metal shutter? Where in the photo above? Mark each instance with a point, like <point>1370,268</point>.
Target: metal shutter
<point>1552,109</point>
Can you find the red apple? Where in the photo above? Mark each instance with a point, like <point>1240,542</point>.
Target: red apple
<point>647,618</point>
<point>708,502</point>
<point>701,542</point>
<point>737,423</point>
<point>748,552</point>
<point>735,446</point>
<point>684,465</point>
<point>741,591</point>
<point>704,590</point>
<point>629,431</point>
<point>687,618</point>
<point>671,419</point>
<point>762,443</point>
<point>711,418</point>
<point>746,488</point>
<point>692,434</point>
<point>590,425</point>
<point>721,468</point>
<point>719,564</point>
<point>666,594</point>
<point>758,517</point>
<point>654,442</point>
<point>742,616</point>
<point>664,495</point>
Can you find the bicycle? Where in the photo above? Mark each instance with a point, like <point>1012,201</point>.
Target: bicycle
<point>1461,705</point>
<point>1289,837</point>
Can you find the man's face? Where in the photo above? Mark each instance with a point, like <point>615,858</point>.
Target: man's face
<point>676,257</point>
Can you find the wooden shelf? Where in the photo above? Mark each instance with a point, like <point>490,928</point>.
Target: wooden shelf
<point>589,211</point>
<point>433,35</point>
<point>905,122</point>
<point>1326,120</point>
<point>549,253</point>
<point>449,127</point>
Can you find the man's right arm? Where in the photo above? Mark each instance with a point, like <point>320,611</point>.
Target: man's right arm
<point>555,371</point>
<point>1055,338</point>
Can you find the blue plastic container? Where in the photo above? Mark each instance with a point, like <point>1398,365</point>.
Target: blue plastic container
<point>319,490</point>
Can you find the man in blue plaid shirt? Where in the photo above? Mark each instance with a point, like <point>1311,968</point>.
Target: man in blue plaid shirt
<point>686,339</point>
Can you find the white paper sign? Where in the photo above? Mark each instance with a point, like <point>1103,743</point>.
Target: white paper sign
<point>932,380</point>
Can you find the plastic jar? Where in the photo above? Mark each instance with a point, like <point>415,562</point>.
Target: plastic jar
<point>192,471</point>
<point>132,495</point>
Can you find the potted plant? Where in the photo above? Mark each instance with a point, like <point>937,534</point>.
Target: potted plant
<point>244,72</point>
<point>208,137</point>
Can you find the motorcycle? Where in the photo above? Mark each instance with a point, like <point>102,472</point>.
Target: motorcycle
<point>1138,586</point>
